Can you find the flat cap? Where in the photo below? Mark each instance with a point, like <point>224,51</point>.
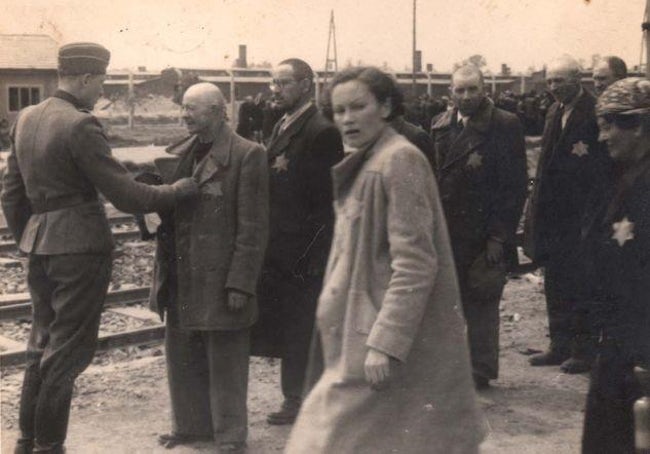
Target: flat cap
<point>83,58</point>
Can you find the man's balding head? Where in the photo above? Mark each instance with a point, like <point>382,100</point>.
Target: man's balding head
<point>563,78</point>
<point>607,71</point>
<point>203,109</point>
<point>205,93</point>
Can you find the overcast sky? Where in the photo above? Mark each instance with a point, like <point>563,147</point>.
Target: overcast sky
<point>206,33</point>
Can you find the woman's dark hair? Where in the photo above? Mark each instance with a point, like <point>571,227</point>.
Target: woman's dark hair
<point>381,85</point>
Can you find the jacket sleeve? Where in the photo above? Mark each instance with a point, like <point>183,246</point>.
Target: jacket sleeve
<point>15,204</point>
<point>90,151</point>
<point>252,222</point>
<point>326,151</point>
<point>509,193</point>
<point>410,190</point>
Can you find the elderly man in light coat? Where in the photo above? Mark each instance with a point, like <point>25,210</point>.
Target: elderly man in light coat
<point>208,261</point>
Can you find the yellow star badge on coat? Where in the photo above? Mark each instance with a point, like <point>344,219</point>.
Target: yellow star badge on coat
<point>623,231</point>
<point>475,160</point>
<point>580,149</point>
<point>281,163</point>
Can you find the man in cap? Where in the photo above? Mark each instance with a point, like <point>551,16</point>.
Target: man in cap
<point>481,171</point>
<point>207,267</point>
<point>607,71</point>
<point>572,165</point>
<point>303,147</point>
<point>59,163</point>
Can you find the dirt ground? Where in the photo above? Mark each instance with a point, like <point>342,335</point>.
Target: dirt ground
<point>122,406</point>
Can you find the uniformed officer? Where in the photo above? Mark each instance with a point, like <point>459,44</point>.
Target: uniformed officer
<point>59,162</point>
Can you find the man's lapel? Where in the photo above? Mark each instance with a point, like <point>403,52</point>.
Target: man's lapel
<point>218,158</point>
<point>472,136</point>
<point>283,138</point>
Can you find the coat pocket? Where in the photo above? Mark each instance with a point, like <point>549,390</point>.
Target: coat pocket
<point>362,315</point>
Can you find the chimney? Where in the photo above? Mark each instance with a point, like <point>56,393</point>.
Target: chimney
<point>241,60</point>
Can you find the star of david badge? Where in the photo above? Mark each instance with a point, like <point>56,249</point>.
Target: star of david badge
<point>623,231</point>
<point>475,160</point>
<point>281,163</point>
<point>580,149</point>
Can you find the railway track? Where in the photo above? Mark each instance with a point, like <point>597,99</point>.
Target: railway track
<point>8,246</point>
<point>18,306</point>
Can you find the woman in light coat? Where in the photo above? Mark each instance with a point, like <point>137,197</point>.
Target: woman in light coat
<point>396,376</point>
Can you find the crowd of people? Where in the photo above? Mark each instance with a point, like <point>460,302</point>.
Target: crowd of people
<point>367,253</point>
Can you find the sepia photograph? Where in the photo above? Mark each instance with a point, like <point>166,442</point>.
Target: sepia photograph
<point>325,227</point>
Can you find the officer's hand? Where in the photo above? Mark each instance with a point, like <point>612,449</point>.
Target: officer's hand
<point>494,252</point>
<point>237,300</point>
<point>377,369</point>
<point>185,188</point>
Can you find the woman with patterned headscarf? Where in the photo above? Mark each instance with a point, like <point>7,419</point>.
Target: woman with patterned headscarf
<point>616,241</point>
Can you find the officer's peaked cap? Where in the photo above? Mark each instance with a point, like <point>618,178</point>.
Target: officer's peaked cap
<point>83,58</point>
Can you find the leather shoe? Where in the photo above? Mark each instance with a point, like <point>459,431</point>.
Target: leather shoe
<point>24,446</point>
<point>232,447</point>
<point>286,415</point>
<point>168,441</point>
<point>49,448</point>
<point>549,358</point>
<point>575,366</point>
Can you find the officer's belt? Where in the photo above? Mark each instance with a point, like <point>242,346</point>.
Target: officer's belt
<point>58,203</point>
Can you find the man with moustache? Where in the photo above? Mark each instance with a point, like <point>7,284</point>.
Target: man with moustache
<point>481,170</point>
<point>59,163</point>
<point>207,265</point>
<point>607,71</point>
<point>572,167</point>
<point>302,149</point>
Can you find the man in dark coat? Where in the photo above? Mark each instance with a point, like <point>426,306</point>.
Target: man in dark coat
<point>481,171</point>
<point>207,267</point>
<point>414,134</point>
<point>607,71</point>
<point>572,165</point>
<point>59,162</point>
<point>302,149</point>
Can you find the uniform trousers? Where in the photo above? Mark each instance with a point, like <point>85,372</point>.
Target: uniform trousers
<point>609,418</point>
<point>68,293</point>
<point>208,381</point>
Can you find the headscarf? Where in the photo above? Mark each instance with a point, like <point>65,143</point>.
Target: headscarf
<point>629,96</point>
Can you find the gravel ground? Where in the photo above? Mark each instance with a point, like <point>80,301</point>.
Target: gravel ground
<point>121,402</point>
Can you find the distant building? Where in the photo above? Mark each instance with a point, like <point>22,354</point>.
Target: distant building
<point>27,71</point>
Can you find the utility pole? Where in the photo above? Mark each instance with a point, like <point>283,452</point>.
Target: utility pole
<point>646,35</point>
<point>331,59</point>
<point>415,49</point>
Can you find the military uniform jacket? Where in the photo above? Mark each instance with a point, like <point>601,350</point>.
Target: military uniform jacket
<point>219,239</point>
<point>572,165</point>
<point>301,213</point>
<point>481,172</point>
<point>59,161</point>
